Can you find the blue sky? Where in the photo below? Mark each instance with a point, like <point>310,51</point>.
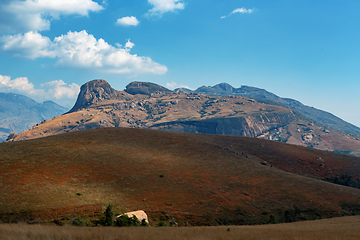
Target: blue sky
<point>305,50</point>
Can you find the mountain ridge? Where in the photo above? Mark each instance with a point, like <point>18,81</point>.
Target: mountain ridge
<point>148,105</point>
<point>321,116</point>
<point>19,113</point>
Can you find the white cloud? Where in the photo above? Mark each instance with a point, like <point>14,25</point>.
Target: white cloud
<point>128,21</point>
<point>174,85</point>
<point>82,50</point>
<point>129,45</point>
<point>162,6</point>
<point>21,84</point>
<point>59,89</point>
<point>36,15</point>
<point>239,10</point>
<point>56,90</point>
<point>29,45</point>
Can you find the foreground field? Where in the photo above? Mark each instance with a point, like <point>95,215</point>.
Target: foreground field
<point>335,228</point>
<point>194,178</point>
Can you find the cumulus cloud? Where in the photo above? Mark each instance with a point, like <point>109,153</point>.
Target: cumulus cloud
<point>59,89</point>
<point>162,6</point>
<point>129,45</point>
<point>29,45</point>
<point>239,10</point>
<point>81,50</point>
<point>36,15</point>
<point>128,21</point>
<point>56,90</point>
<point>20,84</point>
<point>174,85</point>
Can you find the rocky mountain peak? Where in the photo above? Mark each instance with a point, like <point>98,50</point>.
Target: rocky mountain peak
<point>92,92</point>
<point>224,86</point>
<point>146,88</point>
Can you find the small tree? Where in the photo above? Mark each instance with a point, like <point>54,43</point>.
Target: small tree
<point>109,215</point>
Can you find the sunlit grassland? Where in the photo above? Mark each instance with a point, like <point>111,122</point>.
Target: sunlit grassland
<point>335,228</point>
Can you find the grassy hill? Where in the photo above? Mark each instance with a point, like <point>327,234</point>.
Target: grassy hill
<point>194,178</point>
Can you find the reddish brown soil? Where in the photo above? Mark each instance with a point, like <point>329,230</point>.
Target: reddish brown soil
<point>191,177</point>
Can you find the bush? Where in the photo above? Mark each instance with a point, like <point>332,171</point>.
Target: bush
<point>77,222</point>
<point>58,222</point>
<point>144,223</point>
<point>162,224</point>
<point>125,221</point>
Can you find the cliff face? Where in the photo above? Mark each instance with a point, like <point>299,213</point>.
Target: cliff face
<point>249,126</point>
<point>317,115</point>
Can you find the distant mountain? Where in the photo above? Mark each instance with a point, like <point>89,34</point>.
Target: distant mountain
<point>19,113</point>
<point>320,116</point>
<point>147,105</point>
<point>183,90</point>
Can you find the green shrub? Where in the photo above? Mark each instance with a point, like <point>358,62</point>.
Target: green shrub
<point>109,215</point>
<point>144,223</point>
<point>272,219</point>
<point>162,224</point>
<point>77,222</point>
<point>125,221</point>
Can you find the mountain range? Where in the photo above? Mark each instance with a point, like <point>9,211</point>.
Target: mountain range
<point>19,113</point>
<point>320,116</point>
<point>221,109</point>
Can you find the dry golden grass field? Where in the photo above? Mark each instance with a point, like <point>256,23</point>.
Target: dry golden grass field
<point>344,228</point>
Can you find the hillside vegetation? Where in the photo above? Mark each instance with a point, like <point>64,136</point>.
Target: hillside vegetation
<point>193,178</point>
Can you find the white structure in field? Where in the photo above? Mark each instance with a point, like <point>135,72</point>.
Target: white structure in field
<point>139,214</point>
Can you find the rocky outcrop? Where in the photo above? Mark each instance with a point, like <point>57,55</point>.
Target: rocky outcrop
<point>93,92</point>
<point>320,116</point>
<point>146,88</point>
<point>145,105</point>
<point>250,126</point>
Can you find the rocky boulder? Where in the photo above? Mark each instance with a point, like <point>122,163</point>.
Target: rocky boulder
<point>145,88</point>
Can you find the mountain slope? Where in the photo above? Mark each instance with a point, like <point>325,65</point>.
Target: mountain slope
<point>18,113</point>
<point>195,178</point>
<point>320,116</point>
<point>99,105</point>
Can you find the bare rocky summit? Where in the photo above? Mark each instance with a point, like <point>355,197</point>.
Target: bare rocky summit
<point>93,92</point>
<point>148,105</point>
<point>146,88</point>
